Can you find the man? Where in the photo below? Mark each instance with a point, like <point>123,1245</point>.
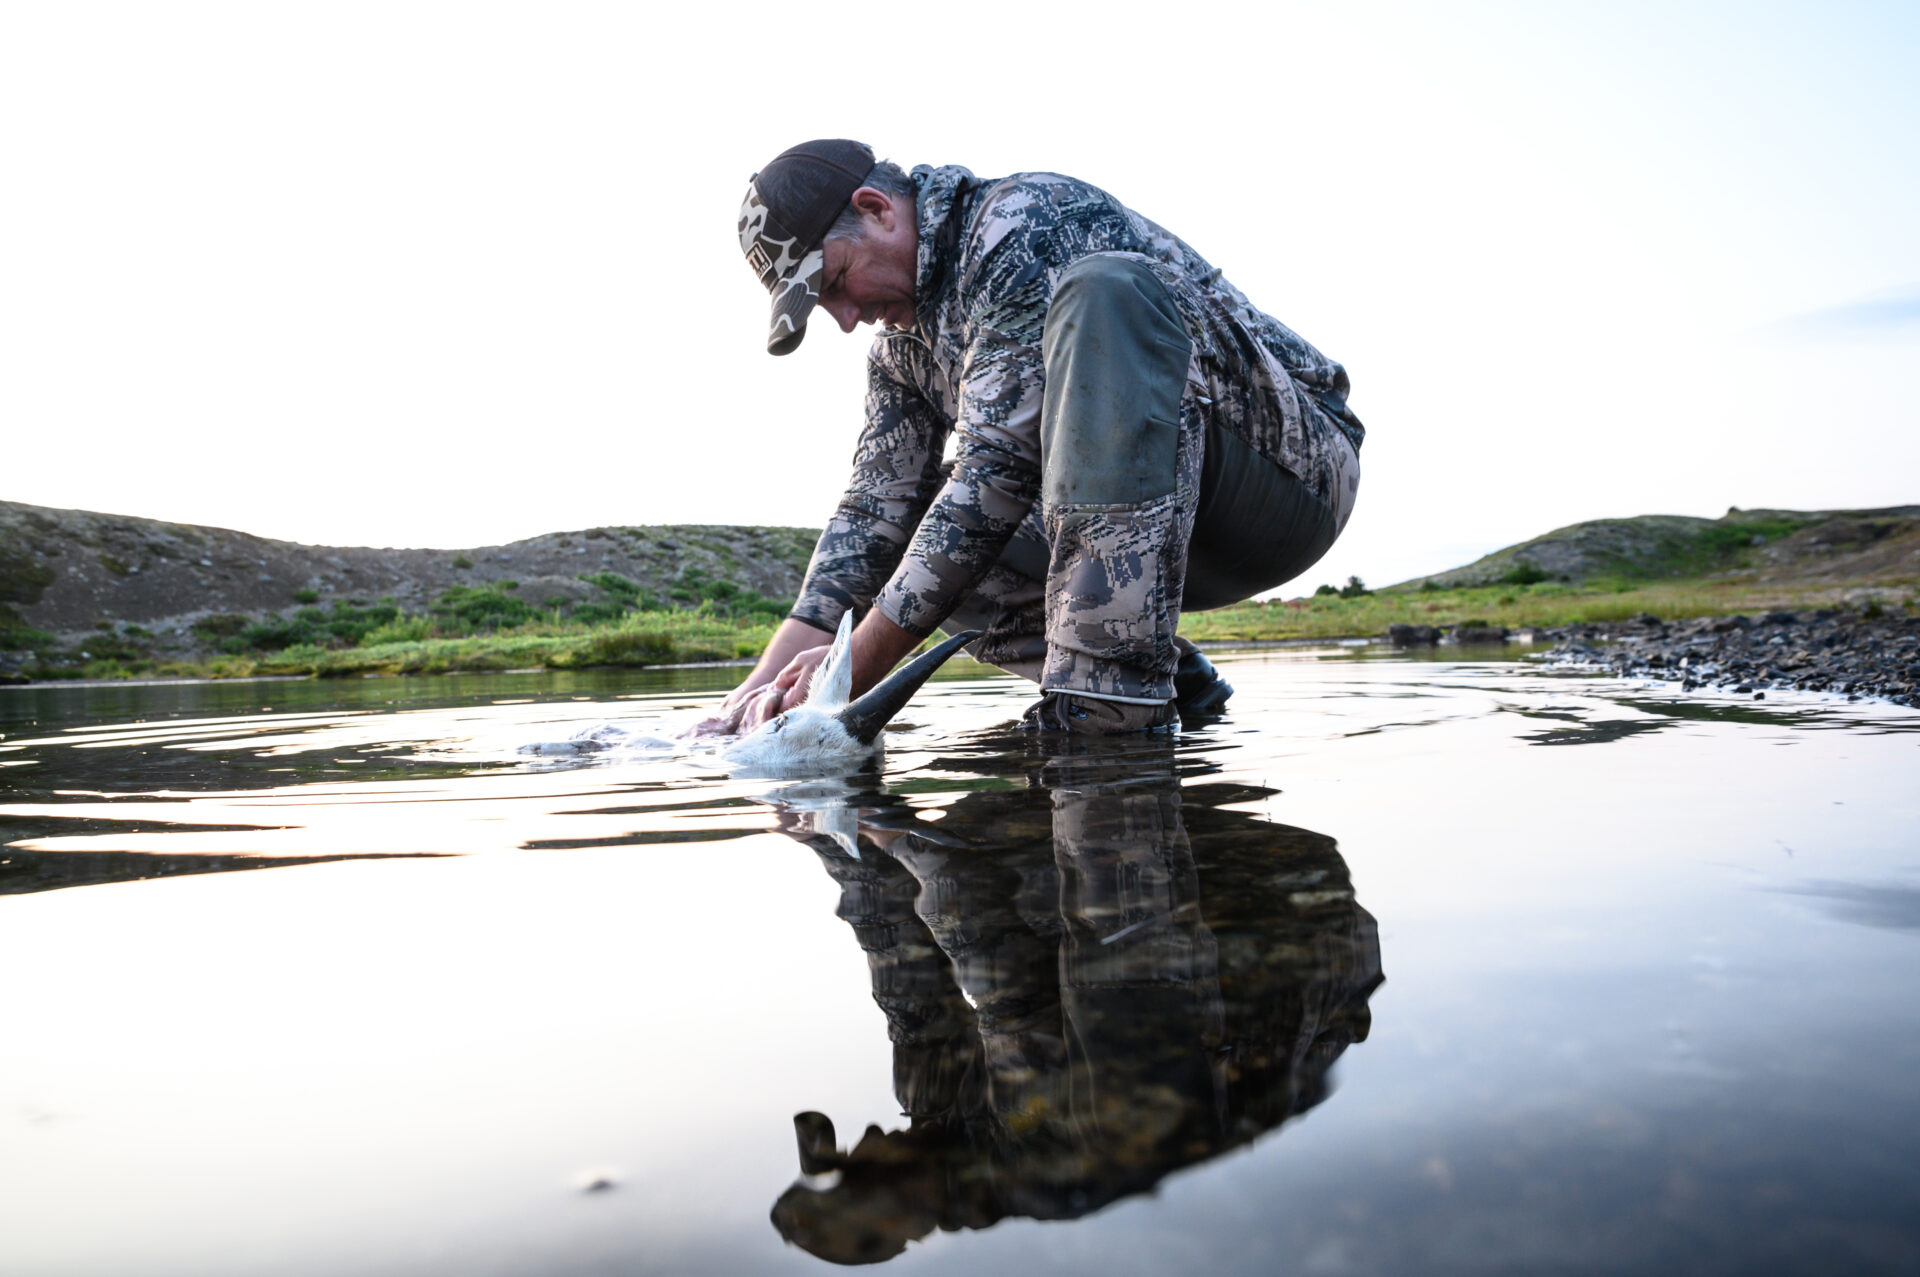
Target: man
<point>1130,437</point>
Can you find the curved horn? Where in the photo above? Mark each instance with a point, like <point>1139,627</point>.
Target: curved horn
<point>864,718</point>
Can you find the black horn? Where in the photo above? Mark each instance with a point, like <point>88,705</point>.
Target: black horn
<point>864,718</point>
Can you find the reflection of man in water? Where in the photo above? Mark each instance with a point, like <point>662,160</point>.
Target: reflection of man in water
<point>1086,989</point>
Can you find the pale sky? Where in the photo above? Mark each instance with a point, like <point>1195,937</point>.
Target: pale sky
<point>454,274</point>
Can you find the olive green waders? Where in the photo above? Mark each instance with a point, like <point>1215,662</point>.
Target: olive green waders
<point>1145,509</point>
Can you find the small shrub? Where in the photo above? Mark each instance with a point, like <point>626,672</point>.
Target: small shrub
<point>467,609</point>
<point>625,647</point>
<point>461,561</point>
<point>619,591</point>
<point>19,637</point>
<point>1726,538</point>
<point>306,596</point>
<point>1524,573</point>
<point>405,629</point>
<point>112,667</point>
<point>1323,591</point>
<point>220,627</point>
<point>345,625</point>
<point>598,613</point>
<point>1355,588</point>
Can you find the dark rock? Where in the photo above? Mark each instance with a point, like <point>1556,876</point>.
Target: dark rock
<point>1476,634</point>
<point>1412,635</point>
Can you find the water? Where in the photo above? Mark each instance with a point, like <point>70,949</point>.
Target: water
<point>1408,966</point>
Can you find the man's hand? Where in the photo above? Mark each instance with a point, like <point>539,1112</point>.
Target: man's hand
<point>790,687</point>
<point>741,702</point>
<point>784,676</point>
<point>792,638</point>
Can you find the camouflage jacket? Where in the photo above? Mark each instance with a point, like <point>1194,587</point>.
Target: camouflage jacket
<point>912,536</point>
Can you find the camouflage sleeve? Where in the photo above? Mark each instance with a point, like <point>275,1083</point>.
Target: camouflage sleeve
<point>996,471</point>
<point>896,471</point>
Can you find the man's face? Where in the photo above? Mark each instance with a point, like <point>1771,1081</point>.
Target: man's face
<point>871,279</point>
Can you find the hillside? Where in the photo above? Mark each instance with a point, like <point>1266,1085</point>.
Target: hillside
<point>107,596</point>
<point>1764,547</point>
<point>75,583</point>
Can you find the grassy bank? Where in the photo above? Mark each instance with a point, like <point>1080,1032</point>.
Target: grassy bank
<point>657,638</point>
<point>466,628</point>
<point>1518,606</point>
<point>471,630</point>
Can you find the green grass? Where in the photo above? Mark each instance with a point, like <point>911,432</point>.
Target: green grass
<point>1512,605</point>
<point>488,628</point>
<point>485,627</point>
<point>639,639</point>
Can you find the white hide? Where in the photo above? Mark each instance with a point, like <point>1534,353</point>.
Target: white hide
<point>604,738</point>
<point>809,739</point>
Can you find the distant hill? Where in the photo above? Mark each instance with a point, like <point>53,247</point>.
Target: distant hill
<point>69,571</point>
<point>1767,547</point>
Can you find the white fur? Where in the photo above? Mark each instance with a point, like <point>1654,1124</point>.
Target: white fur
<point>833,681</point>
<point>808,739</point>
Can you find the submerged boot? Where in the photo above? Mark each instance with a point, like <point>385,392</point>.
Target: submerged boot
<point>1088,716</point>
<point>1199,693</point>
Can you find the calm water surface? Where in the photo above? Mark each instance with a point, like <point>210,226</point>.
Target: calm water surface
<point>1405,967</point>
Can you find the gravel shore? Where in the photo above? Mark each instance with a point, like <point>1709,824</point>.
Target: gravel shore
<point>1823,651</point>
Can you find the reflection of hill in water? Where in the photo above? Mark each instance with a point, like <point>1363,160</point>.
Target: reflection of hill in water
<point>1089,984</point>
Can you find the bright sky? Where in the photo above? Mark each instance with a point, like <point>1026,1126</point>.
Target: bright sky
<point>454,274</point>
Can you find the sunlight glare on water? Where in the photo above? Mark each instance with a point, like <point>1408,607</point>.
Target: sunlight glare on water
<point>1404,966</point>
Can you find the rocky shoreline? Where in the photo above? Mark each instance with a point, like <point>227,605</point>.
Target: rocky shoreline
<point>1849,653</point>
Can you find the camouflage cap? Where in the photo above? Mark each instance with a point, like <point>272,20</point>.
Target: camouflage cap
<point>790,205</point>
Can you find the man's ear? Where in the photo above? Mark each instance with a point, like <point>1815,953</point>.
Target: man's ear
<point>876,204</point>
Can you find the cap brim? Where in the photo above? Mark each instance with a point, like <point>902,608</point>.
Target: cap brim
<point>793,300</point>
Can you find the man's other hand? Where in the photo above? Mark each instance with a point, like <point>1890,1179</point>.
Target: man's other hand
<point>790,687</point>
<point>747,706</point>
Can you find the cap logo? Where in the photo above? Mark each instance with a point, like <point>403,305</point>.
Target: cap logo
<point>757,259</point>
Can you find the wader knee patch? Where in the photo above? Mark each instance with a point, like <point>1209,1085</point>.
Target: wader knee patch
<point>1116,355</point>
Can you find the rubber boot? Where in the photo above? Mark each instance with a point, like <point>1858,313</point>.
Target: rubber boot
<point>1199,693</point>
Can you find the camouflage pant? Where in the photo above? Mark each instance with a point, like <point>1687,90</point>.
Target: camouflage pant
<point>1087,596</point>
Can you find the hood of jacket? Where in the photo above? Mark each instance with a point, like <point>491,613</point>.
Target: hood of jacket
<point>943,197</point>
